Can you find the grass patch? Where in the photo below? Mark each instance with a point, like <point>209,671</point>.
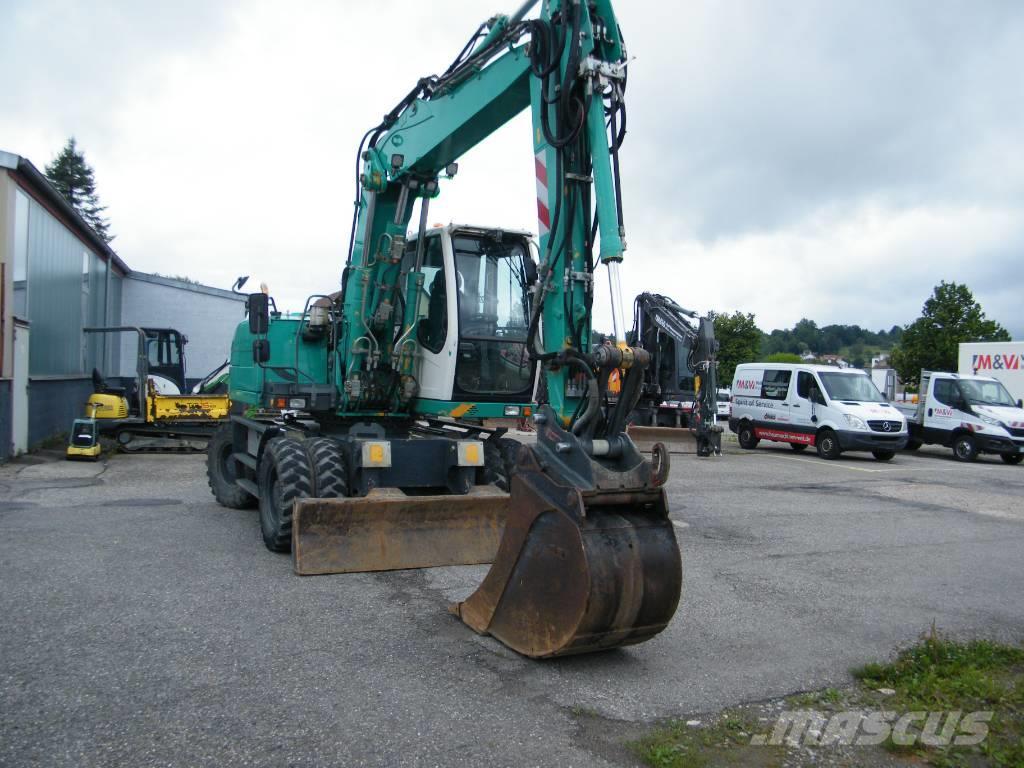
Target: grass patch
<point>723,741</point>
<point>936,675</point>
<point>939,674</point>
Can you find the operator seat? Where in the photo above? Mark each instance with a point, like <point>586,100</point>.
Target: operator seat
<point>100,386</point>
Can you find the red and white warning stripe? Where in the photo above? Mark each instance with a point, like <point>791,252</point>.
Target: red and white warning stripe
<point>543,214</point>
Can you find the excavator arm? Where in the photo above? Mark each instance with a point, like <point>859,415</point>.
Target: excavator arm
<point>569,67</point>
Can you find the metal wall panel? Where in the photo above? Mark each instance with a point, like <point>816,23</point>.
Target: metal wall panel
<point>57,299</point>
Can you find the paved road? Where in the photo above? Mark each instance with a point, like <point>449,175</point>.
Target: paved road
<point>144,625</point>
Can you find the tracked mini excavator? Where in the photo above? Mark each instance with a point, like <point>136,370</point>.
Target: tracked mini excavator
<point>357,425</point>
<point>155,405</point>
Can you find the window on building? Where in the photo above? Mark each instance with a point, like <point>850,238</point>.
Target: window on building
<point>21,254</point>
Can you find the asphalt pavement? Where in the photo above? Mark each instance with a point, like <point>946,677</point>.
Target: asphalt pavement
<point>141,624</point>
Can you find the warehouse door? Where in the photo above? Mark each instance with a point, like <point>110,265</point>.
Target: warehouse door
<point>19,389</point>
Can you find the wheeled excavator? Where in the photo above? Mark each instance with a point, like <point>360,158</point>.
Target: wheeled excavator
<point>679,404</point>
<point>357,425</point>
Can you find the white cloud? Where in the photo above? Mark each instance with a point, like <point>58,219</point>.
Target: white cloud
<point>829,161</point>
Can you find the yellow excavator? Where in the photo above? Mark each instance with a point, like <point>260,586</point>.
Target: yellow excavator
<point>155,405</point>
<point>358,426</point>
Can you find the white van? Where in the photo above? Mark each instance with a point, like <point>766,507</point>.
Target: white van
<point>833,409</point>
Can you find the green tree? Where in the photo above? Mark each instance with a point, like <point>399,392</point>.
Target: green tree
<point>73,178</point>
<point>949,317</point>
<point>739,341</point>
<point>782,357</point>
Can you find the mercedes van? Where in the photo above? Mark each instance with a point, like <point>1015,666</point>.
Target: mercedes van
<point>833,409</point>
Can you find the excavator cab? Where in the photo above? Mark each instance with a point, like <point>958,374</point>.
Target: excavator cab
<point>474,314</point>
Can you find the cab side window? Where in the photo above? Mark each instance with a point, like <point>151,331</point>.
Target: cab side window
<point>432,312</point>
<point>803,384</point>
<point>775,384</point>
<point>946,393</point>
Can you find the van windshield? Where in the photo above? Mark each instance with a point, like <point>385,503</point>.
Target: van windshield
<point>851,386</point>
<point>986,393</point>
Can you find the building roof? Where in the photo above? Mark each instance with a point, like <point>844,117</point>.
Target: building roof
<point>41,185</point>
<point>185,285</point>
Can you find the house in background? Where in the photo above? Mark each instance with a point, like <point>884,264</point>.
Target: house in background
<point>57,276</point>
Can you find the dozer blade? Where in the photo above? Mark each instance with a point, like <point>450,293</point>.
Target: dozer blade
<point>675,439</point>
<point>578,570</point>
<point>387,530</point>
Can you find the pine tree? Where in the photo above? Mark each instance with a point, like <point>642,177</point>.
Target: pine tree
<point>73,178</point>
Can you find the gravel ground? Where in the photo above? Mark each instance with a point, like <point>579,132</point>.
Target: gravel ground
<point>144,625</point>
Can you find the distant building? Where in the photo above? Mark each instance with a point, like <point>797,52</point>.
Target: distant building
<point>880,361</point>
<point>57,276</point>
<point>807,357</point>
<point>834,360</point>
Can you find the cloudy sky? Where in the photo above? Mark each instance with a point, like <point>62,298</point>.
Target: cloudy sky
<point>831,160</point>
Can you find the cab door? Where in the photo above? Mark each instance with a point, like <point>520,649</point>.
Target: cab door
<point>802,406</point>
<point>942,413</point>
<point>437,327</point>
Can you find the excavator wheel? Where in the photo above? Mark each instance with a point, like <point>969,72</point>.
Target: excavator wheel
<point>500,457</point>
<point>577,571</point>
<point>284,476</point>
<point>330,469</point>
<point>220,471</point>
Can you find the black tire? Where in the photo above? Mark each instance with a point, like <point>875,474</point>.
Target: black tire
<point>500,458</point>
<point>1011,458</point>
<point>798,447</point>
<point>284,476</point>
<point>747,439</point>
<point>329,466</point>
<point>828,445</point>
<point>221,471</point>
<point>912,445</point>
<point>883,455</point>
<point>509,450</point>
<point>964,448</point>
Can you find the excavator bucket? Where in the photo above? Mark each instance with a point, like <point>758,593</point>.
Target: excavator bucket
<point>388,530</point>
<point>589,558</point>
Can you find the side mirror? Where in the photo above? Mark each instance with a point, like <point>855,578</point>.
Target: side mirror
<point>1020,403</point>
<point>237,287</point>
<point>258,305</point>
<point>261,351</point>
<point>531,270</point>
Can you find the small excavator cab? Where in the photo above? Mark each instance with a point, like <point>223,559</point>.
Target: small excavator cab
<point>165,354</point>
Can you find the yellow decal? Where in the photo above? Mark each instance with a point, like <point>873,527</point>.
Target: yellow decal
<point>460,410</point>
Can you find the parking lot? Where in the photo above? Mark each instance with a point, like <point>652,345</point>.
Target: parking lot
<point>144,625</point>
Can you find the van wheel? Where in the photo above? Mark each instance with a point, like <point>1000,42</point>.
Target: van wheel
<point>965,449</point>
<point>798,447</point>
<point>912,445</point>
<point>1011,458</point>
<point>883,455</point>
<point>748,440</point>
<point>828,444</point>
<point>284,476</point>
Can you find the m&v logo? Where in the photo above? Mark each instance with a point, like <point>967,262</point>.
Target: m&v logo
<point>996,362</point>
